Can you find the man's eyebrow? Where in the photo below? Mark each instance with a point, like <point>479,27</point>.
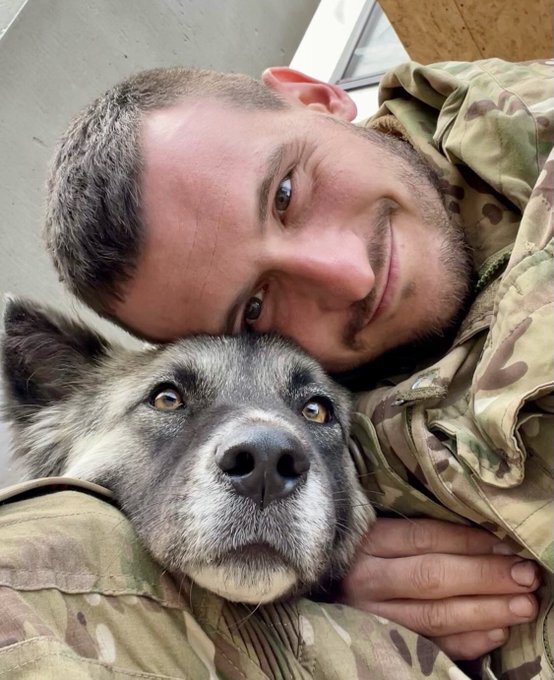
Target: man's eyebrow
<point>273,164</point>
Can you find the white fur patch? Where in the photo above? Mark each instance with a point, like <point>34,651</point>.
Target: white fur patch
<point>228,583</point>
<point>95,452</point>
<point>46,430</point>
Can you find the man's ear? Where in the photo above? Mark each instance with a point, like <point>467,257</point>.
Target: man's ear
<point>301,90</point>
<point>44,356</point>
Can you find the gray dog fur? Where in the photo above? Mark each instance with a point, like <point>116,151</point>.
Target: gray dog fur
<point>80,407</point>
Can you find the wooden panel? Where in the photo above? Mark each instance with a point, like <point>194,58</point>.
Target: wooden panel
<point>515,30</point>
<point>439,30</point>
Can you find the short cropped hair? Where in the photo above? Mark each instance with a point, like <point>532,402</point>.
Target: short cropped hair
<point>94,228</point>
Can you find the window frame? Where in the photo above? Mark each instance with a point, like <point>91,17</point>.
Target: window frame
<point>328,60</point>
<point>348,52</point>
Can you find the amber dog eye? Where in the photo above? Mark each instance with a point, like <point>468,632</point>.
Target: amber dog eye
<point>317,411</point>
<point>167,399</point>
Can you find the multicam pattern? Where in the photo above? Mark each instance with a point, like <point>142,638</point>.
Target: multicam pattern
<point>476,429</point>
<point>101,608</point>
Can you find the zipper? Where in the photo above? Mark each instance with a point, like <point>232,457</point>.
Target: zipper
<point>491,268</point>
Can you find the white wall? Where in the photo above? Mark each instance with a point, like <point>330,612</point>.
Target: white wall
<point>57,55</point>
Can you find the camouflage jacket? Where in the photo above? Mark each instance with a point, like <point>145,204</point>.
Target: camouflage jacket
<point>470,437</point>
<point>81,599</point>
<point>465,439</point>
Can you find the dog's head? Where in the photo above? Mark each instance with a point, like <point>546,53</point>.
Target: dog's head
<point>228,455</point>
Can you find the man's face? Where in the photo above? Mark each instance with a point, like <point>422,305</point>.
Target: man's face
<point>288,221</point>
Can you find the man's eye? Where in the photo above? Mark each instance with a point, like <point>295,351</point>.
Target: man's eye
<point>253,308</point>
<point>284,194</point>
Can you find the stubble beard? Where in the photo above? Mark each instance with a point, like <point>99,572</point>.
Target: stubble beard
<point>454,254</point>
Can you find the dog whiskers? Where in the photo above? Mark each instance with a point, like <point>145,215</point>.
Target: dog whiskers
<point>339,495</point>
<point>388,509</point>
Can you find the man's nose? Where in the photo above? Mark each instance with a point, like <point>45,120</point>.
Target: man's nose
<point>334,271</point>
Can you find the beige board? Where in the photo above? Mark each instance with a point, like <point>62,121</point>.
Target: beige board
<point>459,30</point>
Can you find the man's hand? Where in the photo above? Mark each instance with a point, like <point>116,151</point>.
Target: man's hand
<point>451,583</point>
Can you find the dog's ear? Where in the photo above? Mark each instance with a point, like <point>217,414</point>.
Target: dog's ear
<point>44,355</point>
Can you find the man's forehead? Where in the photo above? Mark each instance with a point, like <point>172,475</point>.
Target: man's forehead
<point>208,117</point>
<point>160,124</point>
<point>199,153</point>
<point>200,200</point>
<point>198,143</point>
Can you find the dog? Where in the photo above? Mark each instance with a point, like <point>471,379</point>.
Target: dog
<point>227,454</point>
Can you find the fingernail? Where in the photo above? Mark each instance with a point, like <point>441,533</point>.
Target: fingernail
<point>524,573</point>
<point>497,635</point>
<point>502,549</point>
<point>521,606</point>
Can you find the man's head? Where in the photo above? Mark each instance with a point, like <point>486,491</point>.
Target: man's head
<point>94,225</point>
<point>189,201</point>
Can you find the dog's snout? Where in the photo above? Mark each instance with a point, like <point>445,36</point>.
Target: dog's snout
<point>266,464</point>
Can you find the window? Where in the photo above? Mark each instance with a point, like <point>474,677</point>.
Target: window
<point>350,42</point>
<point>372,50</point>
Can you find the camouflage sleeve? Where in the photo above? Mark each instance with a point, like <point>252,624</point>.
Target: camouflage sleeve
<point>488,128</point>
<point>79,598</point>
<point>494,117</point>
<point>476,429</point>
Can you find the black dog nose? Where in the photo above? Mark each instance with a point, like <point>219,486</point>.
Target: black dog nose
<point>265,465</point>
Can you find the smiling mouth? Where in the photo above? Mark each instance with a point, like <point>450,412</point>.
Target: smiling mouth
<point>388,271</point>
<point>389,278</point>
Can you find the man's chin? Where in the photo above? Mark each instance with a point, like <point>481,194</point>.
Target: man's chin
<point>427,347</point>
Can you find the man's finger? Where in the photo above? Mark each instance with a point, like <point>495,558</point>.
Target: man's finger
<point>457,615</point>
<point>469,646</point>
<point>404,537</point>
<point>436,577</point>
